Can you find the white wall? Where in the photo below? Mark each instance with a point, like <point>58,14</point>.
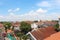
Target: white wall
<point>34,25</point>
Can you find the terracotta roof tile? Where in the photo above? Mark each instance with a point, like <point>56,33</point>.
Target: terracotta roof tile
<point>1,25</point>
<point>16,24</point>
<point>37,35</point>
<point>42,33</point>
<point>55,36</point>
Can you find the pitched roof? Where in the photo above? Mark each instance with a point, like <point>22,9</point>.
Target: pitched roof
<point>29,22</point>
<point>15,23</point>
<point>1,25</point>
<point>46,23</point>
<point>55,36</point>
<point>42,33</point>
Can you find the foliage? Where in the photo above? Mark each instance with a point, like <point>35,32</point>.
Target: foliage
<point>25,27</point>
<point>55,21</point>
<point>19,34</point>
<point>22,36</point>
<point>25,37</point>
<point>7,25</point>
<point>56,26</point>
<point>36,21</point>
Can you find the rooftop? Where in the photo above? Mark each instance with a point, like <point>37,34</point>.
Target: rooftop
<point>42,33</point>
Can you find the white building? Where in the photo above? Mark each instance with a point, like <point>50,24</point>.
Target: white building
<point>34,26</point>
<point>16,26</point>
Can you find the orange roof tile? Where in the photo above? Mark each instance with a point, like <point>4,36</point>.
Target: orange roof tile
<point>1,25</point>
<point>9,31</point>
<point>16,24</point>
<point>55,36</point>
<point>42,33</point>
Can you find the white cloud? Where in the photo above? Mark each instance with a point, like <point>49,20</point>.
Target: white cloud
<point>44,4</point>
<point>32,15</point>
<point>10,10</point>
<point>56,4</point>
<point>49,4</point>
<point>57,1</point>
<point>1,16</point>
<point>13,10</point>
<point>17,9</point>
<point>41,10</point>
<point>52,4</point>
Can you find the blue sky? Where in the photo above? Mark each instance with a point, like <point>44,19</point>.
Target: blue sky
<point>18,10</point>
<point>25,5</point>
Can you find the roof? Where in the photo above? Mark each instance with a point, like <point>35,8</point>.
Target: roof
<point>46,22</point>
<point>15,23</point>
<point>29,22</point>
<point>9,31</point>
<point>1,25</point>
<point>42,33</point>
<point>55,36</point>
<point>50,22</point>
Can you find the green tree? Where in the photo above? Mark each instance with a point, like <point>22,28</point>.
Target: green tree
<point>25,27</point>
<point>7,25</point>
<point>56,26</point>
<point>25,37</point>
<point>19,35</point>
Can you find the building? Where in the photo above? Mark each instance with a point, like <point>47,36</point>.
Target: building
<point>2,27</point>
<point>41,24</point>
<point>16,25</point>
<point>2,30</point>
<point>41,33</point>
<point>34,26</point>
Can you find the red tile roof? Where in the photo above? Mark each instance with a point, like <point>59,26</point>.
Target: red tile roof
<point>50,22</point>
<point>42,33</point>
<point>29,22</point>
<point>55,36</point>
<point>1,25</point>
<point>16,24</point>
<point>36,33</point>
<point>46,22</point>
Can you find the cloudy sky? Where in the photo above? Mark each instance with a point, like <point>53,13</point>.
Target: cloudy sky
<point>19,10</point>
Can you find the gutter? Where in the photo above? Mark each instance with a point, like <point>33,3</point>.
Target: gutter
<point>31,35</point>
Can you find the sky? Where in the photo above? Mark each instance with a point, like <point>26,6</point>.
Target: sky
<point>24,10</point>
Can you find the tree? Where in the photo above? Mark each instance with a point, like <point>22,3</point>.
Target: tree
<point>56,26</point>
<point>25,27</point>
<point>25,37</point>
<point>19,35</point>
<point>7,25</point>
